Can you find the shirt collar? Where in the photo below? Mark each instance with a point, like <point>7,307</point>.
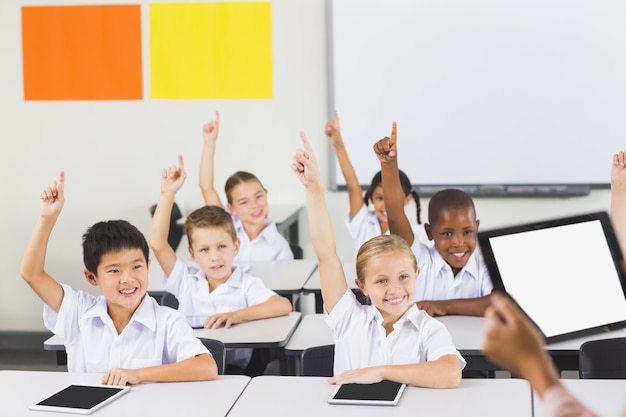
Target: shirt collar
<point>470,268</point>
<point>145,313</point>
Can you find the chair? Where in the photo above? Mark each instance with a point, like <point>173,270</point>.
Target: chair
<point>318,361</point>
<point>217,349</point>
<point>297,251</point>
<point>169,300</point>
<point>602,359</point>
<point>176,230</point>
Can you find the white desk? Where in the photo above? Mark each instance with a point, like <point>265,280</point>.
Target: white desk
<point>313,284</point>
<point>605,397</point>
<point>306,396</point>
<point>284,277</point>
<point>23,388</point>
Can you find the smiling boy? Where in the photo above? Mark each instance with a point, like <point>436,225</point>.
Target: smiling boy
<point>124,334</point>
<point>454,277</point>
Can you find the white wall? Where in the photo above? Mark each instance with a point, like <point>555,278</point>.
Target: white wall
<point>113,153</point>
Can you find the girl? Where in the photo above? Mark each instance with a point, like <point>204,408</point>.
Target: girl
<point>362,223</point>
<point>247,202</point>
<point>389,339</point>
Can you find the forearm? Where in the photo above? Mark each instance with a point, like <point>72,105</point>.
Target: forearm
<point>275,306</point>
<point>160,226</point>
<point>467,306</point>
<point>33,262</point>
<point>352,183</point>
<point>539,370</point>
<point>444,372</point>
<point>197,368</point>
<point>394,202</point>
<point>207,175</point>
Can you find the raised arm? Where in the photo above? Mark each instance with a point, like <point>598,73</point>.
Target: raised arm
<point>618,198</point>
<point>387,152</point>
<point>355,194</point>
<point>32,270</point>
<point>332,277</point>
<point>172,178</point>
<point>210,131</point>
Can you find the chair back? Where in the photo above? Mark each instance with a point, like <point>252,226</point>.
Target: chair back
<point>169,300</point>
<point>297,251</point>
<point>176,230</point>
<point>318,361</point>
<point>603,359</point>
<point>217,349</point>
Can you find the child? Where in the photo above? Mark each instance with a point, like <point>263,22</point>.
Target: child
<point>247,202</point>
<point>362,223</point>
<point>515,344</point>
<point>618,199</point>
<point>124,334</point>
<point>455,278</point>
<point>390,339</point>
<point>215,294</point>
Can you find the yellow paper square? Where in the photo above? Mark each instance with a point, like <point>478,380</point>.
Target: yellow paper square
<point>211,50</point>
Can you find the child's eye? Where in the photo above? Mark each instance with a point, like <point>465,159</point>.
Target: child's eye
<point>222,246</point>
<point>113,271</point>
<point>378,198</point>
<point>381,281</point>
<point>204,250</point>
<point>138,266</point>
<point>446,234</point>
<point>404,276</point>
<point>468,232</point>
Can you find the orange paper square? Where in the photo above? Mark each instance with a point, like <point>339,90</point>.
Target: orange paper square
<point>82,52</point>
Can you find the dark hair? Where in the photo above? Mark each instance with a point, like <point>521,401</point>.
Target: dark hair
<point>111,236</point>
<point>236,179</point>
<point>448,199</point>
<point>210,217</point>
<point>407,189</point>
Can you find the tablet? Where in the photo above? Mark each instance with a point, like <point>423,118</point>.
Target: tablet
<point>381,393</point>
<point>80,399</point>
<point>563,273</point>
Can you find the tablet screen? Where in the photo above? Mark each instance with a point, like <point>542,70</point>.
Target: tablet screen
<point>563,273</point>
<point>80,399</point>
<point>380,393</point>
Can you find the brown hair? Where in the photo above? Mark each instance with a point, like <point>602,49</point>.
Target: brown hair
<point>379,245</point>
<point>210,217</point>
<point>236,179</point>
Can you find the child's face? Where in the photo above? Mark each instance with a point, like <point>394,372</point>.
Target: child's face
<point>454,235</point>
<point>122,277</point>
<point>213,249</point>
<point>379,204</point>
<point>249,202</point>
<point>390,283</point>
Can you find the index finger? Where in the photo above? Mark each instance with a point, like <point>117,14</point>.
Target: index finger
<point>394,134</point>
<point>336,117</point>
<point>61,183</point>
<point>217,117</point>
<point>306,144</point>
<point>181,162</point>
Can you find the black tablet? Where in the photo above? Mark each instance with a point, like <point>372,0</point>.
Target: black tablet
<point>563,273</point>
<point>80,399</point>
<point>381,393</point>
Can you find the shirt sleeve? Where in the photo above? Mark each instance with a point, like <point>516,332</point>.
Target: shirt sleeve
<point>439,342</point>
<point>174,283</point>
<point>65,323</point>
<point>256,291</point>
<point>558,402</point>
<point>181,342</point>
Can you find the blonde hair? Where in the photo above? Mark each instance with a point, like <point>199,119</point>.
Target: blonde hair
<point>210,217</point>
<point>377,246</point>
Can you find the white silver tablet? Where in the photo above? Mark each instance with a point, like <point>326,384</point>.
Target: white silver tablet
<point>80,399</point>
<point>381,393</point>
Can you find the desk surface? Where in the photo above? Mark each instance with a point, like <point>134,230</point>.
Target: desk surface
<point>284,277</point>
<point>23,388</point>
<point>265,333</point>
<point>605,397</point>
<point>474,397</point>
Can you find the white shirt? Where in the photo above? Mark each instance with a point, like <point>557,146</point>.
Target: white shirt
<point>155,335</point>
<point>268,246</point>
<point>364,226</point>
<point>361,340</point>
<point>436,280</point>
<point>190,286</point>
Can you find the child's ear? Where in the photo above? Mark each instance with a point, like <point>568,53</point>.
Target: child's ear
<point>236,245</point>
<point>359,284</point>
<point>91,277</point>
<point>408,199</point>
<point>190,249</point>
<point>477,224</point>
<point>429,232</point>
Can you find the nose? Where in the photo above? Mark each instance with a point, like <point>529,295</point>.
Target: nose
<point>458,239</point>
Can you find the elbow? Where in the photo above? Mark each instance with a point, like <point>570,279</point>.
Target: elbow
<point>209,370</point>
<point>286,306</point>
<point>453,379</point>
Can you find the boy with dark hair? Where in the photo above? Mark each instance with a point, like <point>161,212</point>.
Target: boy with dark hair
<point>124,334</point>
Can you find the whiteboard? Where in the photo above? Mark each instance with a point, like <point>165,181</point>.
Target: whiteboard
<point>505,95</point>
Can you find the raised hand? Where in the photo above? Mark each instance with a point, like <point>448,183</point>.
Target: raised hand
<point>173,177</point>
<point>333,131</point>
<point>305,164</point>
<point>385,149</point>
<point>618,170</point>
<point>52,198</point>
<point>210,129</point>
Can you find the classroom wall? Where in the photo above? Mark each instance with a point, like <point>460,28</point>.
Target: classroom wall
<point>113,153</point>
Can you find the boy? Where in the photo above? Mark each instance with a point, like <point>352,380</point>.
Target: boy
<point>215,294</point>
<point>123,333</point>
<point>454,278</point>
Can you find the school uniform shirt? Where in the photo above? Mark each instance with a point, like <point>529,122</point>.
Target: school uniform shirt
<point>190,286</point>
<point>155,335</point>
<point>361,340</point>
<point>270,245</point>
<point>436,280</point>
<point>364,226</point>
